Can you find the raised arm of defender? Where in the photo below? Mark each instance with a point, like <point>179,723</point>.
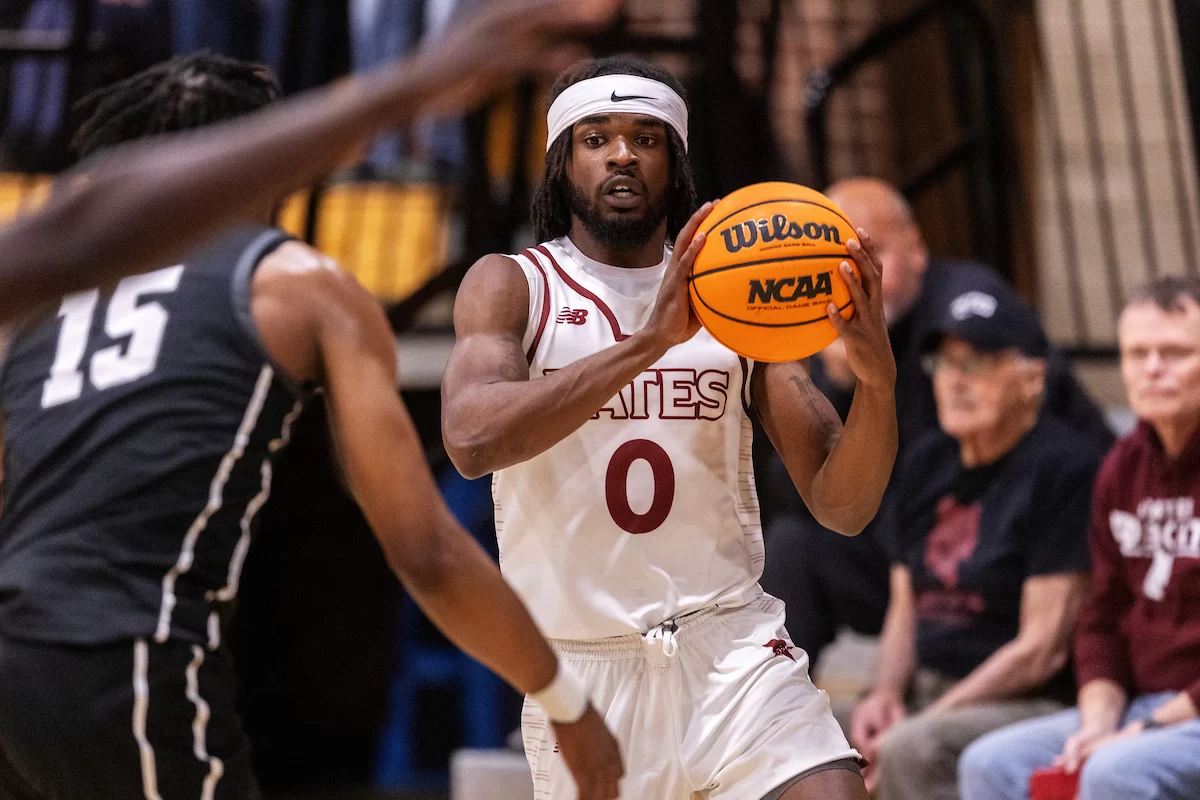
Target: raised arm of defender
<point>148,202</point>
<point>318,323</point>
<point>493,415</point>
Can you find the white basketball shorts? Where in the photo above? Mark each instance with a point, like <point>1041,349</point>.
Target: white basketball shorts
<point>717,703</point>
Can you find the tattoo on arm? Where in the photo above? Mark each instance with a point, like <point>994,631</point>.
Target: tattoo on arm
<point>510,369</point>
<point>824,418</point>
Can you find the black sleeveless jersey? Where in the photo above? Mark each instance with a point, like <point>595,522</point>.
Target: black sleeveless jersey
<point>139,426</point>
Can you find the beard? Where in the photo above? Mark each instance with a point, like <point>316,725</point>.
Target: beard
<point>620,232</point>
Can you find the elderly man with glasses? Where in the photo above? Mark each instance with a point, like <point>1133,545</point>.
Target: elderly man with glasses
<point>991,555</point>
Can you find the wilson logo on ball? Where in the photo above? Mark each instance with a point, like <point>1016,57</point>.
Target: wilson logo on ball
<point>777,228</point>
<point>788,290</point>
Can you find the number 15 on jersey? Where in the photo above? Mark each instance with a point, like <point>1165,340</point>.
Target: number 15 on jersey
<point>119,363</point>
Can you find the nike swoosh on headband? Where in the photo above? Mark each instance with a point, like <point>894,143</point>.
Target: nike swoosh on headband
<point>617,98</point>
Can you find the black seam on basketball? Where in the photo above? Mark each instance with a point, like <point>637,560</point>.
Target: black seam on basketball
<point>780,200</point>
<point>727,267</point>
<point>825,317</point>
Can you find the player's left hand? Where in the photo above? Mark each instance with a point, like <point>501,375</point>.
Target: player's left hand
<point>868,348</point>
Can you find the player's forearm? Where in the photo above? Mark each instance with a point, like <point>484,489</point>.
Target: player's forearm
<point>849,486</point>
<point>145,204</point>
<point>491,426</point>
<point>464,595</point>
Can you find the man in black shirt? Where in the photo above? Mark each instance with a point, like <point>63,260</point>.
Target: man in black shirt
<point>828,581</point>
<point>991,517</point>
<point>141,421</point>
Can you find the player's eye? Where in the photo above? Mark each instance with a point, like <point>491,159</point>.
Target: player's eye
<point>645,141</point>
<point>594,140</point>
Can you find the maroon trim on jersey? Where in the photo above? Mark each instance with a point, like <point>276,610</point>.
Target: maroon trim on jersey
<point>745,383</point>
<point>600,304</point>
<point>537,337</point>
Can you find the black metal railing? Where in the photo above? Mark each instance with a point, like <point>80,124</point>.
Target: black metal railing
<point>982,150</point>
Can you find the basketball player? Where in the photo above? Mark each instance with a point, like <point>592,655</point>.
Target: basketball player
<point>141,421</point>
<point>146,205</point>
<point>620,436</point>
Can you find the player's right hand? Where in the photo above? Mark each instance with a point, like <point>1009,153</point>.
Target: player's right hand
<point>674,321</point>
<point>592,755</point>
<point>489,48</point>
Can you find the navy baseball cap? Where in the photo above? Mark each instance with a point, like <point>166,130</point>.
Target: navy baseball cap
<point>989,321</point>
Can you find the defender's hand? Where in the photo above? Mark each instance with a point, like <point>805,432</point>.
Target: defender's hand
<point>674,321</point>
<point>592,755</point>
<point>868,348</point>
<point>493,46</point>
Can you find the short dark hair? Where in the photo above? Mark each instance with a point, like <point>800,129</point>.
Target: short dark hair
<point>188,91</point>
<point>550,214</point>
<point>1167,292</point>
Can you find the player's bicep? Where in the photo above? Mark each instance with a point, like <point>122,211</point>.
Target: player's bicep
<point>491,313</point>
<point>798,419</point>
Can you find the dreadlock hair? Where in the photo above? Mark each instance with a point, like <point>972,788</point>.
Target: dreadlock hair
<point>188,91</point>
<point>550,213</point>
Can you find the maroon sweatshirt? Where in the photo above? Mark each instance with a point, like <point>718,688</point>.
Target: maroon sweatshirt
<point>1141,626</point>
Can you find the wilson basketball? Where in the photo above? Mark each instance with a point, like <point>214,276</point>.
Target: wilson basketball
<point>762,280</point>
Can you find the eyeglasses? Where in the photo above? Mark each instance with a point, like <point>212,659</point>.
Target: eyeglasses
<point>970,365</point>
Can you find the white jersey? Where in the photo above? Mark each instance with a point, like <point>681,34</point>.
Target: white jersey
<point>648,511</point>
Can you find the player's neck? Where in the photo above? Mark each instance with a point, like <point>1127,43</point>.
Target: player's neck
<point>648,255</point>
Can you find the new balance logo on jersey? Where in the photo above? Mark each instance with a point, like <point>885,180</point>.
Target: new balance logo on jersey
<point>780,648</point>
<point>572,316</point>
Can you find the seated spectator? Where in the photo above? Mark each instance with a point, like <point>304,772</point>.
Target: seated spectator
<point>991,557</point>
<point>1135,731</point>
<point>828,581</point>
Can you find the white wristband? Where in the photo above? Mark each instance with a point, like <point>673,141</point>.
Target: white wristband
<point>565,699</point>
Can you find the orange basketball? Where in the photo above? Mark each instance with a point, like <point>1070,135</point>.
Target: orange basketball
<point>762,280</point>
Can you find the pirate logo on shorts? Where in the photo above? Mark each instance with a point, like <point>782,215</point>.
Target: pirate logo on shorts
<point>780,648</point>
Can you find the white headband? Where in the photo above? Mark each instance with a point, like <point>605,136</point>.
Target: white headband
<point>617,94</point>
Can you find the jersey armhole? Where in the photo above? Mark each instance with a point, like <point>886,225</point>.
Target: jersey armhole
<point>539,300</point>
<point>748,367</point>
<point>242,294</point>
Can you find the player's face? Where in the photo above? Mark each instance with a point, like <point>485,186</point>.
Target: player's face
<point>619,178</point>
<point>979,394</point>
<point>1160,361</point>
